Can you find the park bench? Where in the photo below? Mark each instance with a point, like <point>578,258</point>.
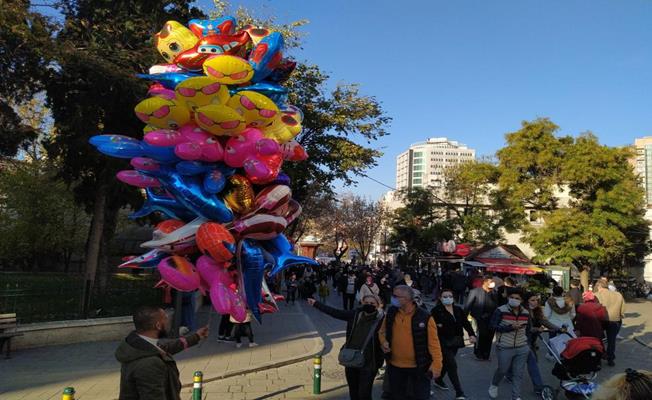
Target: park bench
<point>7,331</point>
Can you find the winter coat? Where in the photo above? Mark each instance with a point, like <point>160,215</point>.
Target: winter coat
<point>148,372</point>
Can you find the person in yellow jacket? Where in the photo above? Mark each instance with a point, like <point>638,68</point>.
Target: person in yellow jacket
<point>408,336</point>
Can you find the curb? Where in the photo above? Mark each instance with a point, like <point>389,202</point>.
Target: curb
<point>317,348</point>
<point>639,341</point>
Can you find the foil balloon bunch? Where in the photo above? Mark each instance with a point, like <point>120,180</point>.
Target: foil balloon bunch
<point>218,130</point>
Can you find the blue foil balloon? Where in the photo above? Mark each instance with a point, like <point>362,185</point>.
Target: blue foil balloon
<point>120,146</point>
<point>162,203</point>
<point>253,269</point>
<point>169,80</point>
<point>267,50</point>
<point>281,249</point>
<point>188,190</point>
<point>215,174</point>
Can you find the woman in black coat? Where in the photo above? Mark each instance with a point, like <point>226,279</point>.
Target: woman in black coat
<point>359,323</point>
<point>451,322</point>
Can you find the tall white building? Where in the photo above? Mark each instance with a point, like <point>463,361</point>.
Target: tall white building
<point>423,164</point>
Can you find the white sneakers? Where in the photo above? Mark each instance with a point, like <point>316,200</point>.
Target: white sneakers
<point>493,392</point>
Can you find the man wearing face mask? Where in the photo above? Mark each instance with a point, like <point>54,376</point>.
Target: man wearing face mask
<point>362,326</point>
<point>408,337</point>
<point>481,304</point>
<point>512,324</point>
<point>148,370</point>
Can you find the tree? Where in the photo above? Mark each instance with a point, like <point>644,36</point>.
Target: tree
<point>474,204</point>
<point>93,90</point>
<point>530,165</point>
<point>601,223</point>
<point>25,52</point>
<point>364,218</point>
<point>418,226</point>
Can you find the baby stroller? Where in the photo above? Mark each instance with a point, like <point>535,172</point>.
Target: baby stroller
<point>577,364</point>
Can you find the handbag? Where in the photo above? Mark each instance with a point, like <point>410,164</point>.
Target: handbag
<point>354,358</point>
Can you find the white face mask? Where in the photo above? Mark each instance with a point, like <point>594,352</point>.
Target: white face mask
<point>560,302</point>
<point>492,285</point>
<point>514,302</point>
<point>447,300</point>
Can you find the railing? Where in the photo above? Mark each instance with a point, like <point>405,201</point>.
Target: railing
<point>60,297</point>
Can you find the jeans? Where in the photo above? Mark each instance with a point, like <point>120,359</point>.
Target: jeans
<point>225,326</point>
<point>292,295</point>
<point>450,368</point>
<point>485,337</point>
<point>513,359</point>
<point>612,331</point>
<point>400,379</point>
<point>533,371</point>
<point>360,382</point>
<point>348,301</point>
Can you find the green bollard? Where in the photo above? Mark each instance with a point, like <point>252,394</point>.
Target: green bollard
<point>197,380</point>
<point>316,376</point>
<point>68,394</point>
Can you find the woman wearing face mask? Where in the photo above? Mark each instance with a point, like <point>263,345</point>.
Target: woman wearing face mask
<point>451,323</point>
<point>511,323</point>
<point>362,325</point>
<point>560,309</point>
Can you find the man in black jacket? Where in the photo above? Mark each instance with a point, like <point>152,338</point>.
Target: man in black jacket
<point>148,370</point>
<point>481,304</point>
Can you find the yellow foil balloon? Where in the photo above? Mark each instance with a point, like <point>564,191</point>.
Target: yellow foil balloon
<point>220,120</point>
<point>174,39</point>
<point>278,131</point>
<point>162,113</point>
<point>201,91</point>
<point>240,196</point>
<point>230,70</point>
<point>257,109</point>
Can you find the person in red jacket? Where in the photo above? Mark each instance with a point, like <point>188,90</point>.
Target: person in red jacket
<point>591,317</point>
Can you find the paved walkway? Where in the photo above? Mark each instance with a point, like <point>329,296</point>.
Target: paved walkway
<point>91,368</point>
<point>296,332</point>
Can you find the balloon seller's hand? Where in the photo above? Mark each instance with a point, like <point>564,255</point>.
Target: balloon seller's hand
<point>311,301</point>
<point>385,347</point>
<point>203,332</point>
<point>472,339</point>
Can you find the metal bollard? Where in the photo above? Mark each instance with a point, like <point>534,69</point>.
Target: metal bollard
<point>197,380</point>
<point>316,376</point>
<point>68,393</point>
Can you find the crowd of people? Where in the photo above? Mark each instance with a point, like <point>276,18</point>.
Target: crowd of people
<point>420,345</point>
<point>390,326</point>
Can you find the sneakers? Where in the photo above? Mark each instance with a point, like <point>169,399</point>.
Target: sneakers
<point>253,344</point>
<point>238,345</point>
<point>439,384</point>
<point>460,397</point>
<point>493,392</point>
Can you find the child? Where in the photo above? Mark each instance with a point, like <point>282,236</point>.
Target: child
<point>243,328</point>
<point>324,291</point>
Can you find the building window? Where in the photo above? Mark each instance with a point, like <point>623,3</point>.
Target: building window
<point>418,154</point>
<point>417,168</point>
<point>417,174</point>
<point>416,181</point>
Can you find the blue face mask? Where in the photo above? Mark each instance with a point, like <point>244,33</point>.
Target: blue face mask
<point>447,300</point>
<point>394,301</point>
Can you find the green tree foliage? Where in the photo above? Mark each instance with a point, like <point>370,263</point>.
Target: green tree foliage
<point>418,226</point>
<point>474,205</point>
<point>25,52</point>
<point>602,223</point>
<point>530,164</point>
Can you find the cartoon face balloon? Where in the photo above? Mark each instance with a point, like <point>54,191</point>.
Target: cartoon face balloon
<point>201,91</point>
<point>173,40</point>
<point>162,113</point>
<point>258,110</point>
<point>220,120</point>
<point>230,70</point>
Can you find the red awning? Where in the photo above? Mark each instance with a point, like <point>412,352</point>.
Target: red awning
<point>514,269</point>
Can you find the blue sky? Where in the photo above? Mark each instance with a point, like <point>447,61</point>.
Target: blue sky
<point>473,70</point>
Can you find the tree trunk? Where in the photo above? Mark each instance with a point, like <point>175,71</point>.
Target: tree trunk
<point>104,268</point>
<point>93,246</point>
